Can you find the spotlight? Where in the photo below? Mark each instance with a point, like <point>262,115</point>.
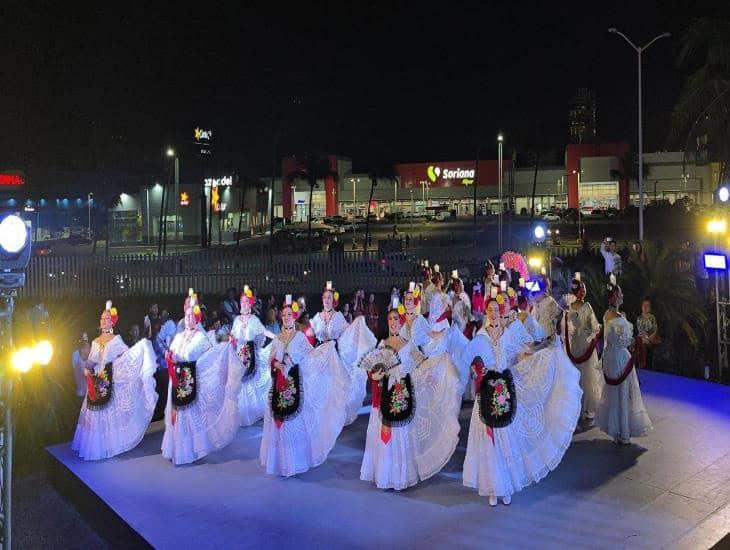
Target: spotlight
<point>22,360</point>
<point>539,232</point>
<point>43,353</point>
<point>15,244</point>
<point>535,262</point>
<point>723,194</point>
<point>13,234</point>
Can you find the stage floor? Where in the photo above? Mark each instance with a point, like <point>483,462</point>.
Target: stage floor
<point>669,489</point>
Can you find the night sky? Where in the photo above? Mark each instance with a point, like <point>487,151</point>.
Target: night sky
<point>106,88</point>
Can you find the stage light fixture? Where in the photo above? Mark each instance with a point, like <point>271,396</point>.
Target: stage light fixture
<point>723,194</point>
<point>13,234</point>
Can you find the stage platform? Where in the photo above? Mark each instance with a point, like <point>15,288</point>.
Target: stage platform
<point>671,489</point>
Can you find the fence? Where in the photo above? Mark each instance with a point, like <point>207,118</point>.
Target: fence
<point>214,271</point>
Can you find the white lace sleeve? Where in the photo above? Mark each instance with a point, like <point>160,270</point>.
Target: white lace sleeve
<point>480,347</point>
<point>298,348</point>
<point>338,325</point>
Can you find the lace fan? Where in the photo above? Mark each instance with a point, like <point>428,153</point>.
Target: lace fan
<point>384,358</point>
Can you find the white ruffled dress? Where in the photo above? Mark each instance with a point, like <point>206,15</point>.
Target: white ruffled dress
<point>305,438</point>
<point>420,448</point>
<point>548,398</point>
<point>352,341</point>
<point>445,338</point>
<point>120,424</point>
<point>622,413</point>
<point>582,328</point>
<point>210,421</point>
<point>256,384</point>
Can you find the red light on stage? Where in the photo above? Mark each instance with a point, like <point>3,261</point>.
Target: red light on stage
<point>11,179</point>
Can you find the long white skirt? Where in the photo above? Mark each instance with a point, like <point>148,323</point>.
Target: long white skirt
<point>622,413</point>
<point>254,392</point>
<point>352,344</point>
<point>121,424</point>
<point>417,450</point>
<point>591,382</point>
<point>548,398</point>
<point>304,440</point>
<point>211,421</point>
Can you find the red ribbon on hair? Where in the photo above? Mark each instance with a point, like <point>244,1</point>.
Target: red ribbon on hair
<point>90,389</point>
<point>171,369</point>
<point>586,354</point>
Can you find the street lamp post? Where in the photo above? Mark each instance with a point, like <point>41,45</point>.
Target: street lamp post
<point>639,51</point>
<point>88,199</point>
<point>500,140</point>
<point>176,186</point>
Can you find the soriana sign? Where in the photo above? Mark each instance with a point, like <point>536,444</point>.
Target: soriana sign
<point>12,179</point>
<point>448,174</point>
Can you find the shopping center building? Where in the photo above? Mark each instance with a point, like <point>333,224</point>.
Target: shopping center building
<point>592,176</point>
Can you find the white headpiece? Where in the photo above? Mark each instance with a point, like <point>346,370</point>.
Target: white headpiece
<point>191,292</point>
<point>612,279</point>
<point>108,306</point>
<point>329,285</point>
<point>577,276</point>
<point>493,292</point>
<point>287,299</point>
<point>411,286</point>
<point>436,268</point>
<point>425,263</point>
<point>455,274</point>
<point>395,302</point>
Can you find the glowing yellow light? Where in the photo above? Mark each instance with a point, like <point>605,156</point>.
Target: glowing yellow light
<point>22,360</point>
<point>43,352</point>
<point>535,262</point>
<point>716,226</point>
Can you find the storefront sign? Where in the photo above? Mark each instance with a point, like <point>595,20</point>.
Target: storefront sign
<point>466,175</point>
<point>203,135</point>
<point>11,179</point>
<point>225,181</point>
<point>203,139</point>
<point>448,174</point>
<point>184,199</point>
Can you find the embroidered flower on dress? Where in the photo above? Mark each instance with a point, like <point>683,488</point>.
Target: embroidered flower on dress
<point>500,397</point>
<point>185,383</point>
<point>399,398</point>
<point>285,398</point>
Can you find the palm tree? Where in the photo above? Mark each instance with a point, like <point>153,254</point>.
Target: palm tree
<point>386,171</point>
<point>316,167</point>
<point>702,112</point>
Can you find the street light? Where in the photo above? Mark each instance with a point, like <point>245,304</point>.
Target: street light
<point>539,233</point>
<point>500,140</point>
<point>172,154</point>
<point>639,51</point>
<point>723,194</point>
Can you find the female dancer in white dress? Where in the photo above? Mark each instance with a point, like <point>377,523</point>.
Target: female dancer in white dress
<point>534,329</point>
<point>248,336</point>
<point>581,329</point>
<point>350,342</point>
<point>622,414</point>
<point>441,336</point>
<point>460,303</point>
<point>526,410</point>
<point>202,397</point>
<point>120,398</point>
<point>414,422</point>
<point>416,327</point>
<point>307,403</point>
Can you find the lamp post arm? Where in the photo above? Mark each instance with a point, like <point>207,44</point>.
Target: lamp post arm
<point>658,37</point>
<point>622,35</point>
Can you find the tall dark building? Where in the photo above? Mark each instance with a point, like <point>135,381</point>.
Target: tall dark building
<point>582,117</point>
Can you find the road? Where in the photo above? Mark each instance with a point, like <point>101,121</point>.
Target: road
<point>517,232</point>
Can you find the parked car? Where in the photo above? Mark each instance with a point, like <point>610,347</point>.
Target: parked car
<point>551,216</point>
<point>571,215</point>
